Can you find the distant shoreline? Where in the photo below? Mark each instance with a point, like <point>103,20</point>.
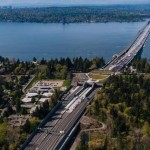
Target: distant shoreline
<point>143,20</point>
<point>80,14</point>
<point>70,5</point>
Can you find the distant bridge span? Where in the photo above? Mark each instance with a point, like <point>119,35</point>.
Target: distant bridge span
<point>128,54</point>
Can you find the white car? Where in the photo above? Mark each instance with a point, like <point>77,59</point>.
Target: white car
<point>62,132</point>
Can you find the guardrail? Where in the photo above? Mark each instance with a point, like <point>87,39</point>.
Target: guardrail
<point>64,141</point>
<point>71,134</point>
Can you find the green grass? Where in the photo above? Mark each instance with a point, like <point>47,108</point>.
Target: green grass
<point>41,68</point>
<point>67,83</point>
<point>31,83</point>
<point>101,78</point>
<point>100,75</point>
<point>102,72</point>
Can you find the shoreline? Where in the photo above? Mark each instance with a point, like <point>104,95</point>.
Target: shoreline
<point>82,22</point>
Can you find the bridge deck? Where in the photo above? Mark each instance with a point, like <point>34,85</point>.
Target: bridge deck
<point>128,54</point>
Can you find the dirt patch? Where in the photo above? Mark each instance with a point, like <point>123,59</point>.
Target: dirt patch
<point>89,123</point>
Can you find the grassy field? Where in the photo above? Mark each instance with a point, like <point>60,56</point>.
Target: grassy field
<point>100,75</point>
<point>101,72</point>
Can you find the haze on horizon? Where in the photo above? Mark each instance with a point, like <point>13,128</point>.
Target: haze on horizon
<point>68,2</point>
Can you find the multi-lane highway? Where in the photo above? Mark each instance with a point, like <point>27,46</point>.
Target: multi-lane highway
<point>127,55</point>
<point>54,132</point>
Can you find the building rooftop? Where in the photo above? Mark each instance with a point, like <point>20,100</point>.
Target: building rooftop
<point>26,100</point>
<point>44,99</point>
<point>31,95</point>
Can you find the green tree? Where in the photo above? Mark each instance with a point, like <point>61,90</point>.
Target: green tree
<point>3,131</point>
<point>27,127</point>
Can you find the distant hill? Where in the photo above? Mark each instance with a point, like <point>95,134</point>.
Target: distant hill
<point>111,13</point>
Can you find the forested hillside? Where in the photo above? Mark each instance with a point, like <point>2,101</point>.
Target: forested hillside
<point>123,105</point>
<point>141,65</point>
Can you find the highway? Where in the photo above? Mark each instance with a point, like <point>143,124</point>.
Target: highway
<point>52,135</point>
<point>127,55</point>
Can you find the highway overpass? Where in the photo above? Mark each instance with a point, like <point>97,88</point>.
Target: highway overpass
<point>126,56</point>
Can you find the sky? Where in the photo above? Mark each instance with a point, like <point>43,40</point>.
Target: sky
<point>69,2</point>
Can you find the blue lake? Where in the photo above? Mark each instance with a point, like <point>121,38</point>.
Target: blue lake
<point>26,40</point>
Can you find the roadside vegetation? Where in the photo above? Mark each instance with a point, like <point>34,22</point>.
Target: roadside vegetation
<point>100,75</point>
<point>123,104</point>
<point>141,65</point>
<point>67,83</point>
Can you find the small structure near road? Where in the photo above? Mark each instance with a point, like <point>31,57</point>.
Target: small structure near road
<point>39,93</point>
<point>42,100</point>
<point>26,100</point>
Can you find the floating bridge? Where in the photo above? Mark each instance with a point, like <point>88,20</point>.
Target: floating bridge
<point>126,56</point>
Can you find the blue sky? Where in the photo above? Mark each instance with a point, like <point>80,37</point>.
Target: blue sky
<point>70,2</point>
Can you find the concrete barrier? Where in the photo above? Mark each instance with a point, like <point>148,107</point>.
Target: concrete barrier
<point>70,136</point>
<point>65,140</point>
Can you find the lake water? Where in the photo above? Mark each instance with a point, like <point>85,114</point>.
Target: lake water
<point>26,40</point>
